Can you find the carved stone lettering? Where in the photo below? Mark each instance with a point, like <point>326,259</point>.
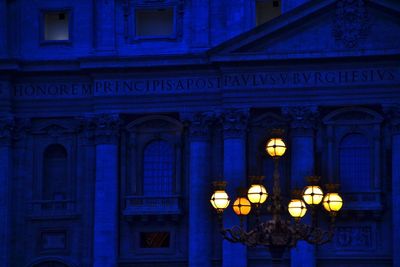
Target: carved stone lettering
<point>189,85</point>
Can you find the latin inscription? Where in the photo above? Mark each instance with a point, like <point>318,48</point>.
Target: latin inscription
<point>204,84</point>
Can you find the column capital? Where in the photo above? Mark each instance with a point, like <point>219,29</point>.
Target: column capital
<point>392,115</point>
<point>303,119</point>
<point>198,124</point>
<point>234,122</point>
<point>7,126</point>
<point>106,128</point>
<point>22,128</point>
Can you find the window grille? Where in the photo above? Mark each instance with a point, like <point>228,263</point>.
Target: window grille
<point>158,171</point>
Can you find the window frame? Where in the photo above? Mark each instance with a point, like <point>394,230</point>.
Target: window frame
<point>42,26</point>
<point>156,37</point>
<point>130,20</point>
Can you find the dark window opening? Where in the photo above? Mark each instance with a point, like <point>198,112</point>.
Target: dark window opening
<point>158,165</point>
<point>355,163</point>
<point>55,168</point>
<point>266,10</point>
<point>155,22</point>
<point>56,26</point>
<point>155,239</point>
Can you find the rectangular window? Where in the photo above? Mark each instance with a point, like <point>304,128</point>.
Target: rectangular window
<point>56,26</point>
<point>267,10</point>
<point>158,22</point>
<point>155,239</point>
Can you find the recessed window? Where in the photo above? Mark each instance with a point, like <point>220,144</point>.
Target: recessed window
<point>155,239</point>
<point>267,10</point>
<point>155,22</point>
<point>56,26</point>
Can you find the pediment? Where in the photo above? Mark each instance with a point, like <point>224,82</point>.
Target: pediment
<point>321,28</point>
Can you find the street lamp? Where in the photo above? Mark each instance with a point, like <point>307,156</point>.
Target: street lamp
<point>278,233</point>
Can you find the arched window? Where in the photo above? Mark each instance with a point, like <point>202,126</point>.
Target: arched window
<point>50,264</point>
<point>355,163</point>
<point>55,173</point>
<point>158,168</point>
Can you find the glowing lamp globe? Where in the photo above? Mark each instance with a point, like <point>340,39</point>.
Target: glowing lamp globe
<point>297,208</point>
<point>242,206</point>
<point>332,202</point>
<point>275,147</point>
<point>257,194</point>
<point>313,194</point>
<point>220,200</point>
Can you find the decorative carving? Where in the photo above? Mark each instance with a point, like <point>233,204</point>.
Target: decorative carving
<point>235,122</point>
<point>352,22</point>
<point>392,114</point>
<point>303,118</point>
<point>199,124</point>
<point>107,128</point>
<point>354,237</point>
<point>21,129</point>
<point>6,130</point>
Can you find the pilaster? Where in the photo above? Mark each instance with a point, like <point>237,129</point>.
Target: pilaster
<point>393,118</point>
<point>105,30</point>
<point>3,28</point>
<point>6,128</point>
<point>200,216</point>
<point>105,252</point>
<point>303,122</point>
<point>234,123</point>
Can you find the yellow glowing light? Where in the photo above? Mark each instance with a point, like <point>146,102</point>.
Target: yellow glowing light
<point>257,194</point>
<point>241,206</point>
<point>297,208</point>
<point>276,147</point>
<point>220,200</point>
<point>313,195</point>
<point>332,202</point>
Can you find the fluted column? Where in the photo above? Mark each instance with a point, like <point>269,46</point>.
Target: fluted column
<point>302,165</point>
<point>234,126</point>
<point>393,115</point>
<point>105,252</point>
<point>6,126</point>
<point>200,212</point>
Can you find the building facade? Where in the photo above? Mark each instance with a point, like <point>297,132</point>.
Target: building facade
<point>117,115</point>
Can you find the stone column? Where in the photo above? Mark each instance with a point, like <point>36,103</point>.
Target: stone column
<point>6,126</point>
<point>105,26</point>
<point>105,251</point>
<point>200,212</point>
<point>302,165</point>
<point>393,113</point>
<point>234,126</point>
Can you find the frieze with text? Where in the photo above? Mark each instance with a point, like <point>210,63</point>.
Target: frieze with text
<point>203,84</point>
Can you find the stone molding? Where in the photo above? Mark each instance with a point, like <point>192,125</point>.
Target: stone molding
<point>303,119</point>
<point>235,122</point>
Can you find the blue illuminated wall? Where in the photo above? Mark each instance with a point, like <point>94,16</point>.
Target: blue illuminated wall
<point>110,138</point>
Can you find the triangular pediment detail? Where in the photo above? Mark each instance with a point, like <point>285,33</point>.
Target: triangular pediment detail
<point>321,28</point>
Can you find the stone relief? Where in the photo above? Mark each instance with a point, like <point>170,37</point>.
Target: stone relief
<point>351,23</point>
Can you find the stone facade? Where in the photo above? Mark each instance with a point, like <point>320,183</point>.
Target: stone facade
<point>109,140</point>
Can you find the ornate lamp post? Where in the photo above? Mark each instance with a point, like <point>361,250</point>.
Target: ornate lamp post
<point>279,233</point>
